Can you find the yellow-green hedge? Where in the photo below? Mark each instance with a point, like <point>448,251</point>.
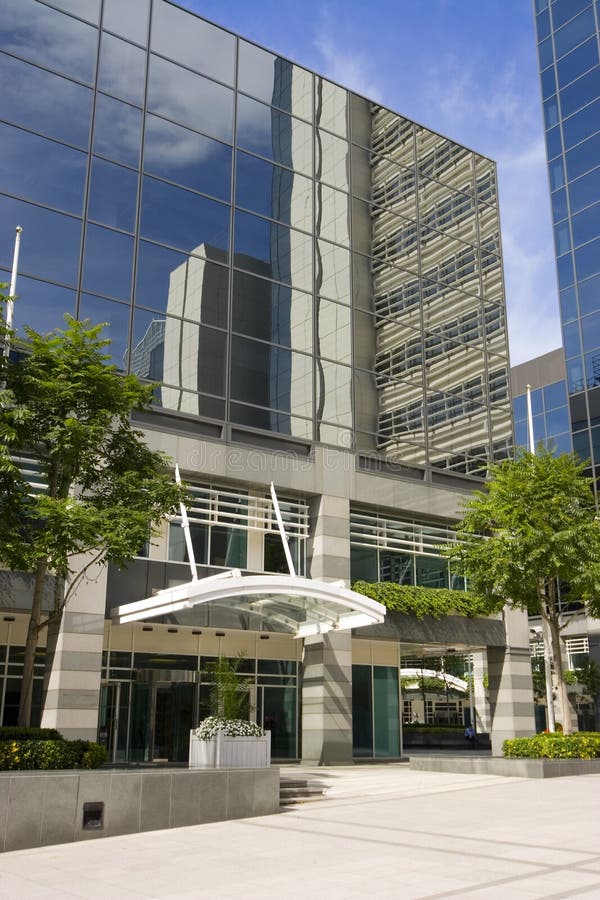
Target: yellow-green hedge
<point>61,754</point>
<point>580,745</point>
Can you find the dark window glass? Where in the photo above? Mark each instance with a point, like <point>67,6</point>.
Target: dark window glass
<point>582,124</point>
<point>545,53</point>
<point>543,25</point>
<point>190,99</point>
<point>581,444</point>
<point>566,275</point>
<point>551,112</point>
<point>586,225</point>
<point>272,312</point>
<point>577,62</point>
<point>540,5</point>
<point>592,369</point>
<point>274,80</point>
<point>41,305</point>
<point>264,375</point>
<point>571,340</point>
<point>182,219</point>
<point>568,305</point>
<point>581,92</point>
<point>51,249</point>
<point>585,190</point>
<point>113,192</point>
<point>122,69</point>
<point>583,157</point>
<point>589,295</point>
<point>117,130</point>
<point>574,33</point>
<point>48,37</point>
<point>107,266</point>
<point>190,287</point>
<point>562,443</point>
<point>274,191</point>
<point>557,175</point>
<point>562,238</point>
<point>559,205</point>
<point>555,395</point>
<point>190,159</point>
<point>41,170</point>
<point>288,254</point>
<point>587,260</point>
<point>177,545</point>
<point>44,102</point>
<point>548,82</point>
<point>563,10</point>
<point>590,329</point>
<point>274,134</point>
<point>128,19</point>
<point>116,315</point>
<point>271,420</point>
<point>193,357</point>
<point>193,42</point>
<point>553,142</point>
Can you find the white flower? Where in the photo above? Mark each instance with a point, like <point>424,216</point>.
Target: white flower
<point>211,726</point>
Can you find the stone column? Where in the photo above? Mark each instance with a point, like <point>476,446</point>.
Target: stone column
<point>510,683</point>
<point>73,694</point>
<point>482,706</point>
<point>327,663</point>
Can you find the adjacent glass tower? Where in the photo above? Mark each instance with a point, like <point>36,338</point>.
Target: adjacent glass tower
<point>569,56</point>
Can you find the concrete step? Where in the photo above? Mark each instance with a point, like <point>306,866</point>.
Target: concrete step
<point>293,791</point>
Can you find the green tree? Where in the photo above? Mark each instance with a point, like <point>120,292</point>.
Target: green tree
<point>531,528</point>
<point>230,690</point>
<point>104,489</point>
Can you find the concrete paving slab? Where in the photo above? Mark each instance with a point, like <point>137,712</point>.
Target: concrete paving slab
<point>382,832</point>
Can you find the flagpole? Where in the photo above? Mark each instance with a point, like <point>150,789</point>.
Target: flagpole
<point>545,626</point>
<point>10,304</point>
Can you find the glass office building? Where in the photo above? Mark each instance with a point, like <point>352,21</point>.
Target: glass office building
<point>568,49</point>
<point>545,375</point>
<point>315,281</point>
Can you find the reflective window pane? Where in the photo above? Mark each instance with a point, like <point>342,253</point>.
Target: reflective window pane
<point>334,331</point>
<point>193,42</point>
<point>41,305</point>
<point>188,158</point>
<point>107,264</point>
<point>182,219</point>
<point>269,376</point>
<point>334,393</point>
<point>574,32</point>
<point>190,99</point>
<point>189,287</point>
<point>545,53</point>
<point>568,305</point>
<point>331,107</point>
<point>85,9</point>
<point>49,37</point>
<point>333,272</point>
<point>332,160</point>
<point>270,249</point>
<point>559,205</point>
<point>117,130</point>
<point>271,420</point>
<point>122,69</point>
<point>51,249</point>
<point>275,135</point>
<point>41,170</point>
<point>577,62</point>
<point>333,215</point>
<point>272,312</point>
<point>586,225</point>
<point>191,404</point>
<point>571,340</point>
<point>563,10</point>
<point>582,91</point>
<point>587,260</point>
<point>193,358</point>
<point>116,315</point>
<point>44,102</point>
<point>585,190</point>
<point>589,295</point>
<point>581,125</point>
<point>275,80</point>
<point>129,19</point>
<point>113,193</point>
<point>273,191</point>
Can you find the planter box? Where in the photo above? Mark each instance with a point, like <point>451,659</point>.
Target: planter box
<point>512,768</point>
<point>227,752</point>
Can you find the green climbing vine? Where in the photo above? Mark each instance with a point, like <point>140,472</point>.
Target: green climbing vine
<point>422,601</point>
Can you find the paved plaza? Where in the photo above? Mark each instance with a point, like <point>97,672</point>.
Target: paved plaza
<point>381,832</point>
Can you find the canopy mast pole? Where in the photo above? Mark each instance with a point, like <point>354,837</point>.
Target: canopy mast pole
<point>186,530</point>
<point>284,540</point>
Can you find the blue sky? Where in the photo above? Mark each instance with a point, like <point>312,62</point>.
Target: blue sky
<point>466,68</point>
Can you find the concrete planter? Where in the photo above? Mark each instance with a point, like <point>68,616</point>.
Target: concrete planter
<point>227,752</point>
<point>511,768</point>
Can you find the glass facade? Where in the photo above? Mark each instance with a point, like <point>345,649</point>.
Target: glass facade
<point>551,421</point>
<point>285,256</point>
<point>569,56</point>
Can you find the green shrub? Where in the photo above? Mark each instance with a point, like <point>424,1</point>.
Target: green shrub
<point>580,745</point>
<point>14,733</point>
<point>49,754</point>
<point>416,728</point>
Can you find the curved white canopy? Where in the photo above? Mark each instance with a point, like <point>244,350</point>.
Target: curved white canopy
<point>301,606</point>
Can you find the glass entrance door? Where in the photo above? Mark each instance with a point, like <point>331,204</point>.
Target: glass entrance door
<point>114,719</point>
<point>174,706</point>
<point>276,712</point>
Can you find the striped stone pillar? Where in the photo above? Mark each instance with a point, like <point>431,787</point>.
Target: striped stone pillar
<point>327,662</point>
<point>510,683</point>
<point>73,692</point>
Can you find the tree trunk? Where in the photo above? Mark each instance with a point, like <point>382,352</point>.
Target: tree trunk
<point>52,634</point>
<point>563,697</point>
<point>33,631</point>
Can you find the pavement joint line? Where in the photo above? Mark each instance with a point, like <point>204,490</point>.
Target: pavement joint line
<point>566,895</point>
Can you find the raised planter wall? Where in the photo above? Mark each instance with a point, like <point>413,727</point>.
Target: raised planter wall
<point>41,808</point>
<point>512,768</point>
<point>450,740</point>
<point>226,751</point>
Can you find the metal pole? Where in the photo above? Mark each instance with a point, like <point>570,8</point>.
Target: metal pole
<point>545,628</point>
<point>186,530</point>
<point>284,540</point>
<point>12,288</point>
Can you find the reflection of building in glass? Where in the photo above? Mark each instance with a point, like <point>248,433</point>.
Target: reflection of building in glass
<point>316,283</point>
<point>549,402</point>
